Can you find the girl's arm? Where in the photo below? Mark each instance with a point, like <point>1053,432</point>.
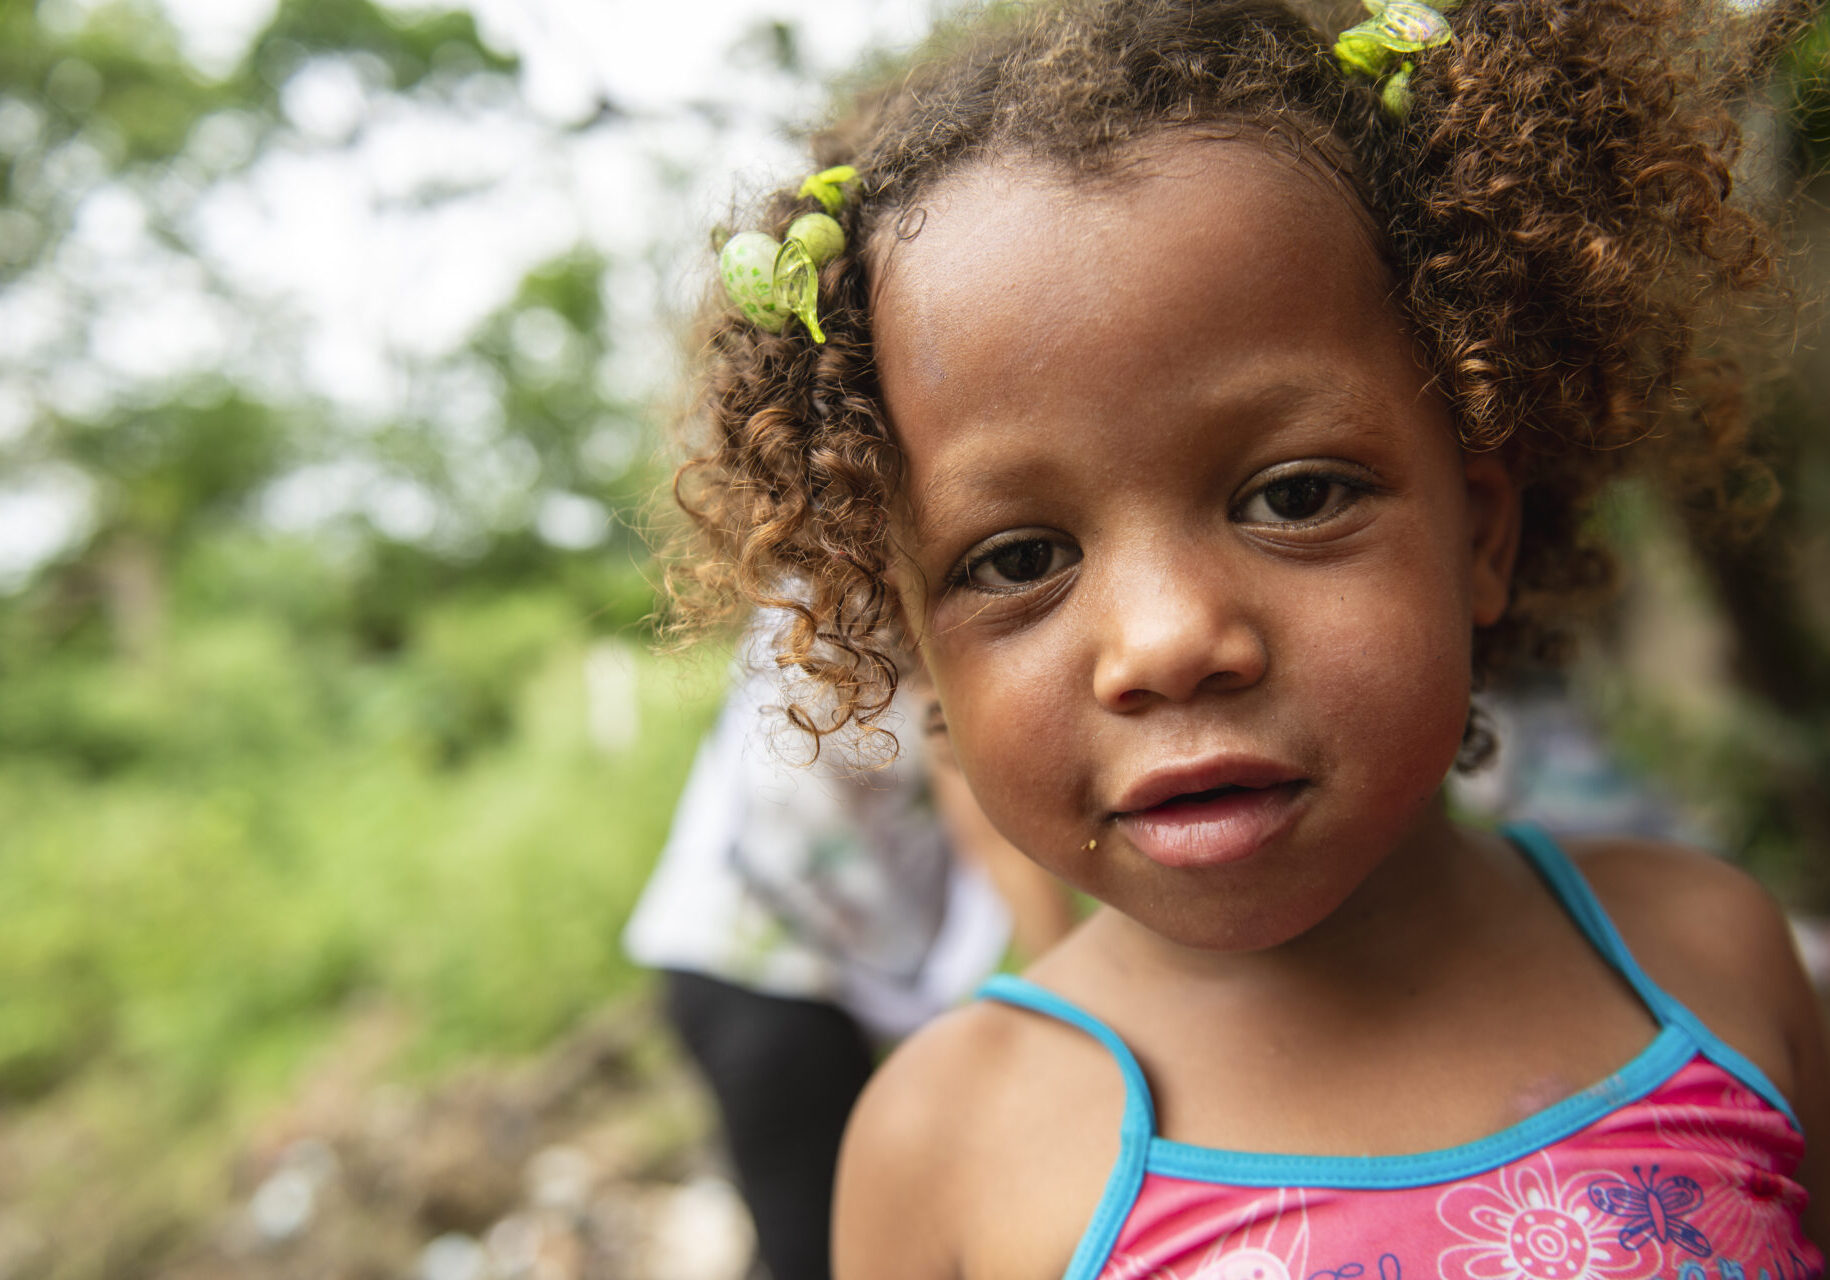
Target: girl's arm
<point>893,1209</point>
<point>1810,1098</point>
<point>1806,1082</point>
<point>1718,942</point>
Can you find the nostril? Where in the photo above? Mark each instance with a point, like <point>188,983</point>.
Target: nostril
<point>1176,661</point>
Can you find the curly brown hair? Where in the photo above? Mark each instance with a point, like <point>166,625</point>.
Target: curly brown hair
<point>1554,208</point>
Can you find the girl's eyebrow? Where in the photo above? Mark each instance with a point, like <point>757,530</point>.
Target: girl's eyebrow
<point>1296,401</point>
<point>971,479</point>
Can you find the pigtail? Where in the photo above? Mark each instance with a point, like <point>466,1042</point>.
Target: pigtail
<point>1559,209</point>
<point>785,492</point>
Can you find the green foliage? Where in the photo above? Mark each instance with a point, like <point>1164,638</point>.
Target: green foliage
<point>237,691</point>
<point>412,47</point>
<point>256,782</point>
<point>469,660</point>
<point>167,466</point>
<point>544,347</point>
<point>280,832</point>
<point>571,287</point>
<point>280,641</point>
<point>111,103</point>
<point>118,80</point>
<point>1806,75</point>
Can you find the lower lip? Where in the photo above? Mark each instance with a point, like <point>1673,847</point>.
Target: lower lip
<point>1211,833</point>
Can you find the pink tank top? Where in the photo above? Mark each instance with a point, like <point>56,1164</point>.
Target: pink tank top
<point>1677,1166</point>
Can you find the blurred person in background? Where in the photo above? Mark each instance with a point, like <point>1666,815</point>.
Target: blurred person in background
<point>804,918</point>
<point>1554,766</point>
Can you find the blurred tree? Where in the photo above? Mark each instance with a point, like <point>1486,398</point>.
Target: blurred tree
<point>110,135</point>
<point>100,107</point>
<point>533,486</point>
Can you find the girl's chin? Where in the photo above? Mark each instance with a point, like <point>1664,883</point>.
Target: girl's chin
<point>1224,937</point>
<point>1185,924</point>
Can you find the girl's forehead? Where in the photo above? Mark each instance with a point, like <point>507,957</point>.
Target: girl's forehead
<point>1016,243</point>
<point>1016,197</point>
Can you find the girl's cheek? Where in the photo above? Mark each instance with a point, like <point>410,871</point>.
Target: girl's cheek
<point>1006,719</point>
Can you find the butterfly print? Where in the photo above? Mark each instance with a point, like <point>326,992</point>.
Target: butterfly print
<point>1654,1209</point>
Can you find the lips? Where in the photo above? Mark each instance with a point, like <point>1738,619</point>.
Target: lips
<point>1209,814</point>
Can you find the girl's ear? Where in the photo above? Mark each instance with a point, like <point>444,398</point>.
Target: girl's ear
<point>1493,533</point>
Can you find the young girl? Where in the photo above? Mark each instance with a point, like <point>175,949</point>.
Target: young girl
<point>1210,407</point>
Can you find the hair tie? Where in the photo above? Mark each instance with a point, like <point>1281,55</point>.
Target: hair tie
<point>769,280</point>
<point>1397,27</point>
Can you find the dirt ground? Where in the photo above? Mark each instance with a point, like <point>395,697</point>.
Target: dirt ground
<point>595,1161</point>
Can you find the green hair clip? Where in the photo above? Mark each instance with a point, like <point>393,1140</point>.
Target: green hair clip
<point>826,187</point>
<point>1397,27</point>
<point>769,280</point>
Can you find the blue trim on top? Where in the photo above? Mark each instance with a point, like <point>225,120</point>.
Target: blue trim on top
<point>1733,1061</point>
<point>1570,889</point>
<point>1580,901</point>
<point>1136,1130</point>
<point>1654,1065</point>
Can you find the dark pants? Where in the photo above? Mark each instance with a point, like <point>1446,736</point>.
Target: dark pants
<point>785,1074</point>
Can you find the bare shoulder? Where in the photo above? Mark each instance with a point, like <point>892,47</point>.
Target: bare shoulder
<point>1670,887</point>
<point>979,1149</point>
<point>1712,936</point>
<point>895,1211</point>
<point>937,1080</point>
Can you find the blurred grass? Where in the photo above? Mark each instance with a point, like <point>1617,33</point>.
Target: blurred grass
<point>209,863</point>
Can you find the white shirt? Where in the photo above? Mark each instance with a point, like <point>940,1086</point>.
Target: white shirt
<point>823,881</point>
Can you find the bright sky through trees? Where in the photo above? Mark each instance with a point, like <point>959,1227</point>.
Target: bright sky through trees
<point>379,229</point>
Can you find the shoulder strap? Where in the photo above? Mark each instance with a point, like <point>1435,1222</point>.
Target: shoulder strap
<point>1137,1129</point>
<point>1567,883</point>
<point>1140,1112</point>
<point>1573,892</point>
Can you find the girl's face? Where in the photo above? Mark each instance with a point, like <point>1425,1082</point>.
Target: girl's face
<point>1190,547</point>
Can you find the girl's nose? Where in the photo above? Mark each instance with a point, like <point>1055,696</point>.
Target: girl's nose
<point>1174,643</point>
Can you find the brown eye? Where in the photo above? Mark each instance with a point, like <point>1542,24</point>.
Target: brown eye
<point>1019,562</point>
<point>1298,498</point>
<point>1022,561</point>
